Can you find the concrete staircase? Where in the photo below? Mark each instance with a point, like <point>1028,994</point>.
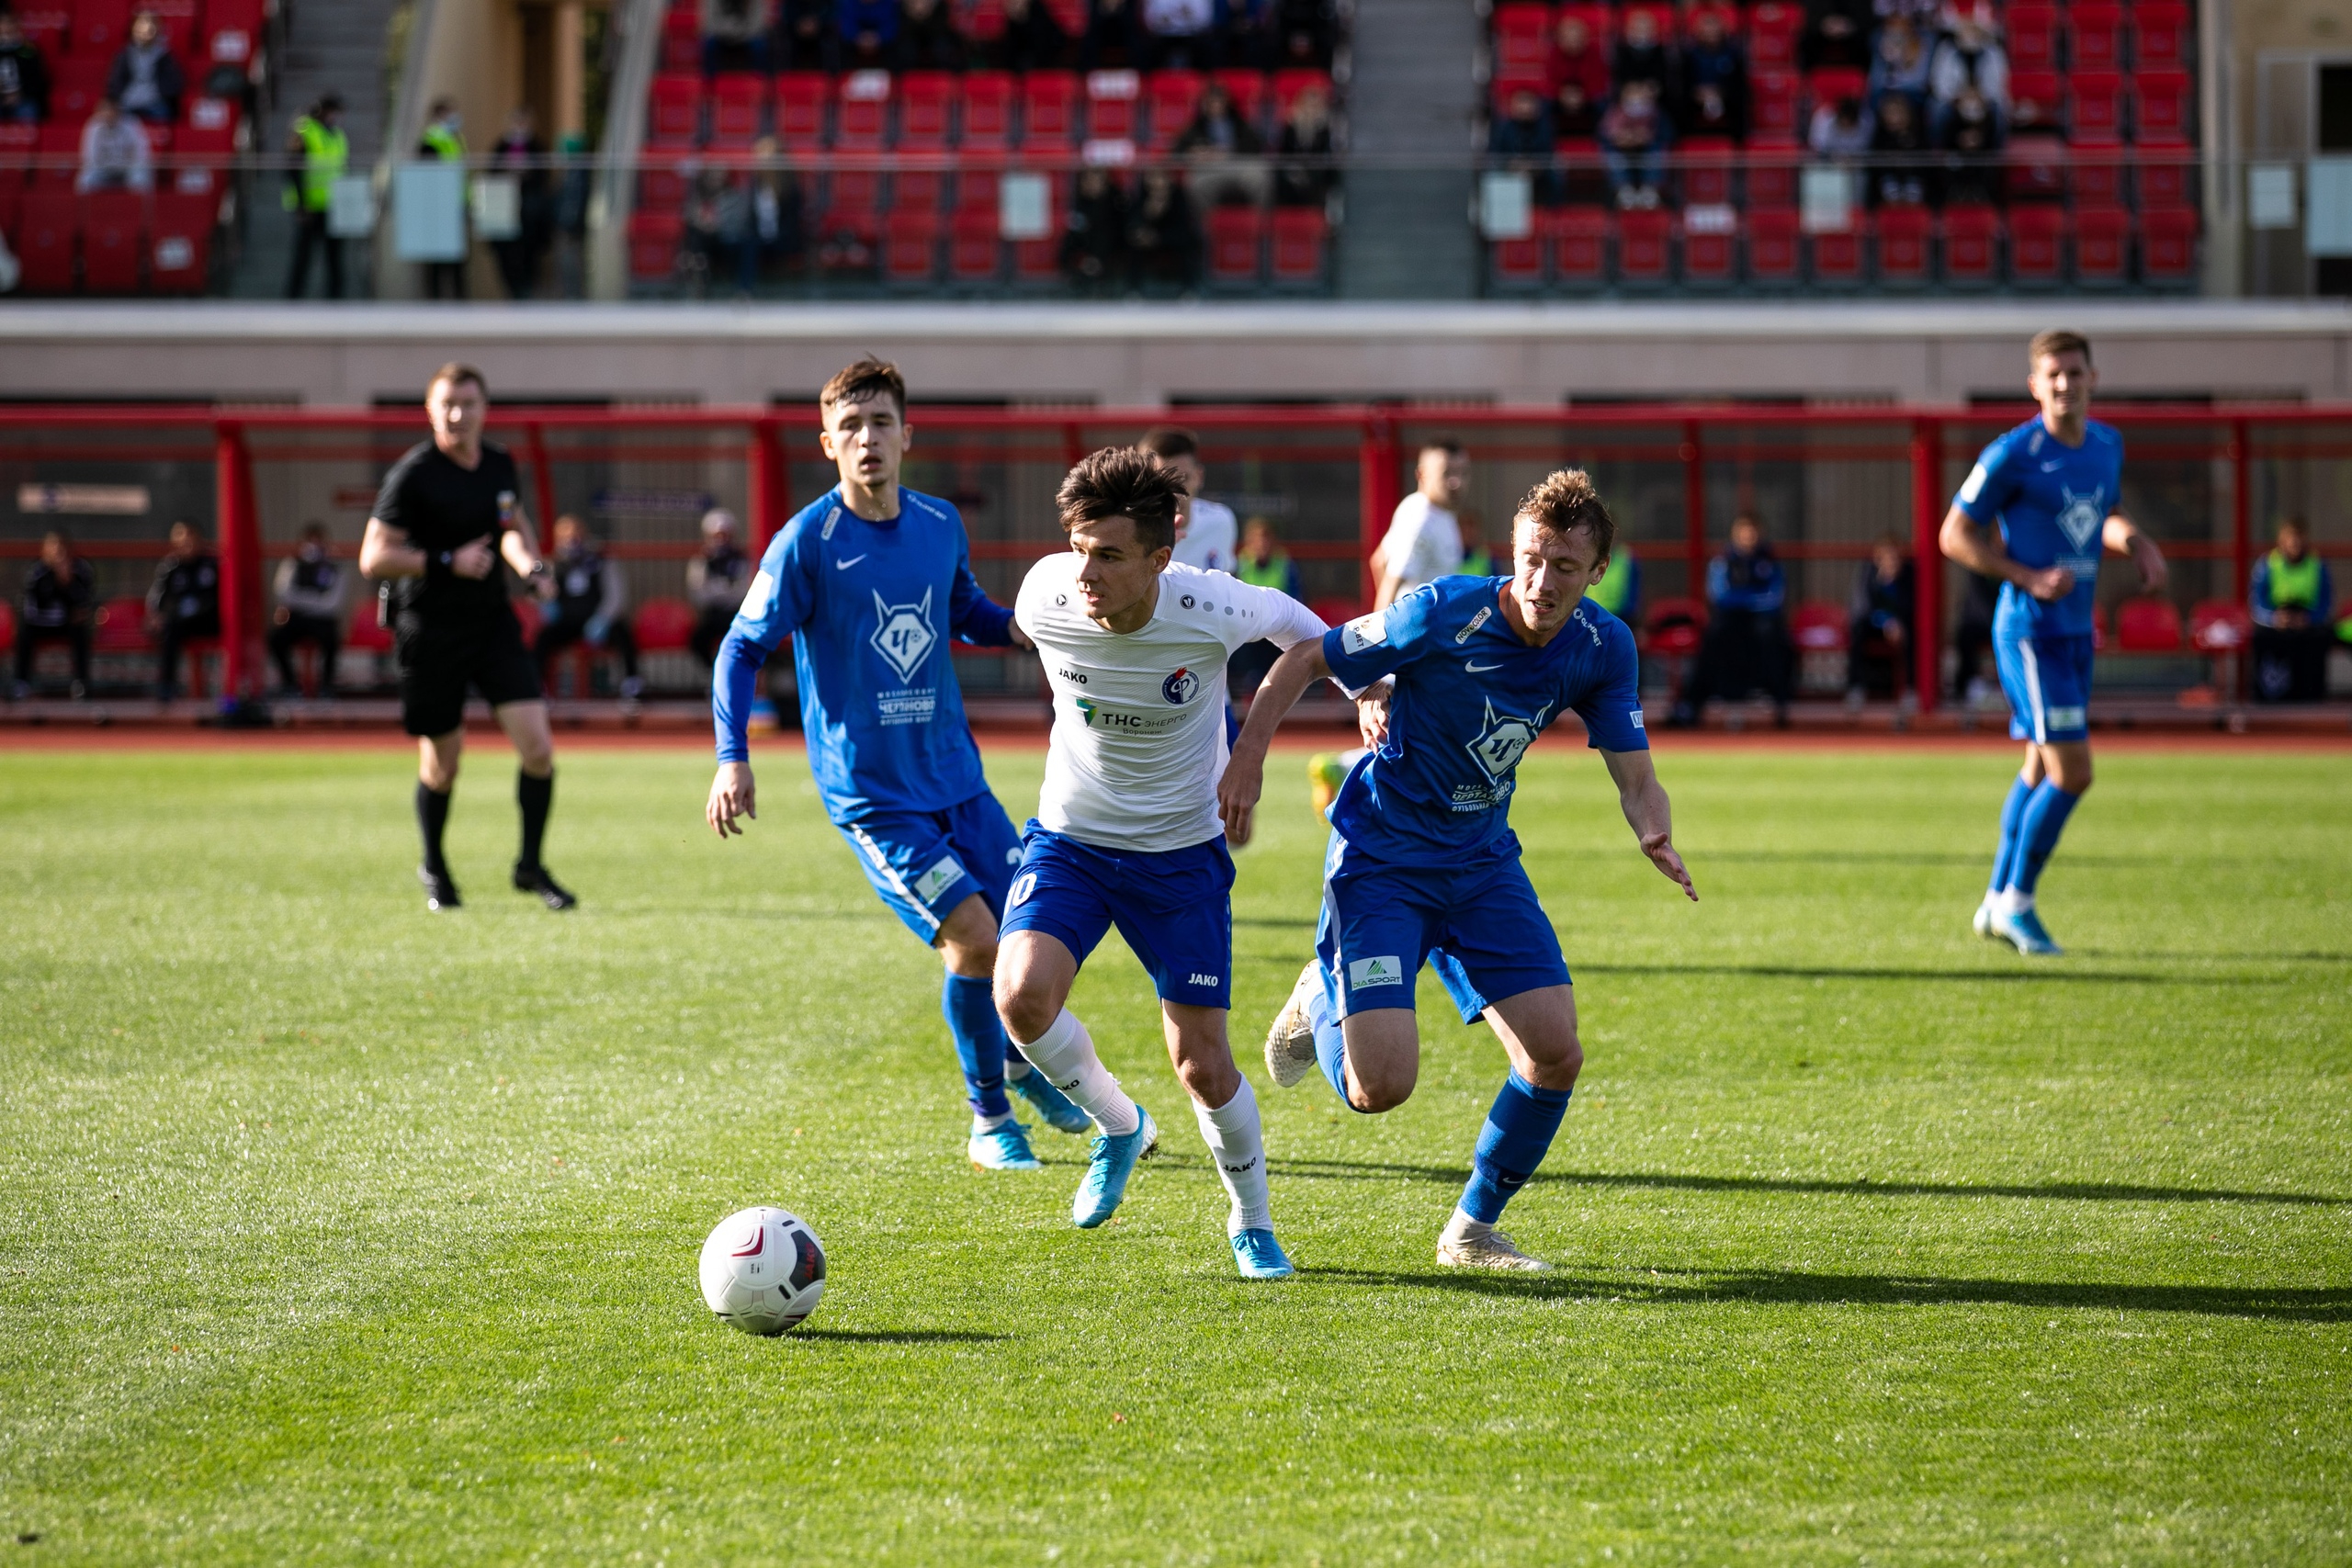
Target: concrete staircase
<point>1410,103</point>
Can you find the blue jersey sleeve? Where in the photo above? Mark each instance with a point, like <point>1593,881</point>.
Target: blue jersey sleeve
<point>1992,484</point>
<point>1611,707</point>
<point>776,606</point>
<point>1362,650</point>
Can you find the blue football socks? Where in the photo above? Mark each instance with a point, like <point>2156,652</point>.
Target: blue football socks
<point>2004,859</point>
<point>2045,819</point>
<point>969,1003</point>
<point>1518,1134</point>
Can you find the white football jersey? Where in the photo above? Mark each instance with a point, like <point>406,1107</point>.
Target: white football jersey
<point>1139,737</point>
<point>1211,539</point>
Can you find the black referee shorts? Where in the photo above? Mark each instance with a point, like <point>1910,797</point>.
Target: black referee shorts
<point>438,661</point>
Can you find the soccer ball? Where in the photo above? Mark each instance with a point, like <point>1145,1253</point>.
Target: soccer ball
<point>763,1270</point>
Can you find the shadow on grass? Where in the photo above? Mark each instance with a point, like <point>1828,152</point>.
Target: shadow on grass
<point>1685,1287</point>
<point>1890,857</point>
<point>897,1335</point>
<point>2037,975</point>
<point>2065,1191</point>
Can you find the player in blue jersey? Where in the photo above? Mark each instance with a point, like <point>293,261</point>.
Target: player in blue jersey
<point>871,582</point>
<point>2055,486</point>
<point>1422,865</point>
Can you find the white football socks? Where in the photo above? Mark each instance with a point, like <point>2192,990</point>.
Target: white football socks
<point>1065,1053</point>
<point>1234,1139</point>
<point>1460,1226</point>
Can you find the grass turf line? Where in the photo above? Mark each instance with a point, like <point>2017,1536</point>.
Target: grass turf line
<point>330,1231</point>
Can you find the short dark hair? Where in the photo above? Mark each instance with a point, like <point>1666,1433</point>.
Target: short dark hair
<point>1170,441</point>
<point>1565,501</point>
<point>314,529</point>
<point>458,373</point>
<point>2294,526</point>
<point>857,383</point>
<point>2057,340</point>
<point>1448,445</point>
<point>1119,481</point>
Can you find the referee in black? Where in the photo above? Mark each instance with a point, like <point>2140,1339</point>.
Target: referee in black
<point>449,511</point>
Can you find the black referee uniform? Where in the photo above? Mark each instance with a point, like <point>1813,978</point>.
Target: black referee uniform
<point>450,633</point>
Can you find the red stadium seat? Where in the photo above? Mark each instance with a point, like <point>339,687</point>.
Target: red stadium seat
<point>2033,29</point>
<point>121,627</point>
<point>800,100</point>
<point>862,113</point>
<point>47,230</point>
<point>979,190</point>
<point>1522,37</point>
<point>2094,37</point>
<point>974,252</point>
<point>1772,113</point>
<point>2103,246</point>
<point>75,87</point>
<point>1040,261</point>
<point>2038,245</point>
<point>1708,165</point>
<point>1905,246</point>
<point>1672,627</point>
<point>179,257</point>
<point>987,111</point>
<point>1579,237</point>
<point>653,245</point>
<point>365,635</point>
<point>854,196</point>
<point>1114,100</point>
<point>2038,98</point>
<point>2169,247</point>
<point>1971,237</point>
<point>2219,626</point>
<point>738,103</point>
<point>1817,628</point>
<point>681,38</point>
<point>1709,246</point>
<point>1070,14</point>
<point>1169,101</point>
<point>662,185</point>
<point>675,120</point>
<point>1773,28</point>
<point>2164,185</point>
<point>60,153</point>
<point>2148,624</point>
<point>1301,235</point>
<point>1772,178</point>
<point>1237,243</point>
<point>100,29</point>
<point>1836,86</point>
<point>2159,35</point>
<point>45,27</point>
<point>2033,168</point>
<point>114,224</point>
<point>921,191</point>
<point>2164,103</point>
<point>1836,256</point>
<point>2096,179</point>
<point>1048,108</point>
<point>1645,249</point>
<point>662,624</point>
<point>2094,108</point>
<point>1772,249</point>
<point>926,110</point>
<point>1290,84</point>
<point>1249,90</point>
<point>910,247</point>
<point>1518,264</point>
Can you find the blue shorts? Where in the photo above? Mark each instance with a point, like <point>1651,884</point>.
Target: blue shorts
<point>2048,683</point>
<point>1174,908</point>
<point>923,863</point>
<point>1479,925</point>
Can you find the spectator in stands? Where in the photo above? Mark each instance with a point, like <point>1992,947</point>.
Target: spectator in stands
<point>1478,559</point>
<point>1715,78</point>
<point>1746,642</point>
<point>115,154</point>
<point>1033,39</point>
<point>1305,34</point>
<point>1220,149</point>
<point>1163,235</point>
<point>1424,539</point>
<point>2292,598</point>
<point>319,140</point>
<point>1899,64</point>
<point>574,186</point>
<point>1880,617</point>
<point>1924,17</point>
<point>1642,55</point>
<point>806,38</point>
<point>1094,234</point>
<point>716,219</point>
<point>1898,174</point>
<point>1184,34</point>
<point>24,76</point>
<point>1971,638</point>
<point>735,36</point>
<point>1619,592</point>
<point>1261,560</point>
<point>309,588</point>
<point>1251,33</point>
<point>591,605</point>
<point>1575,115</point>
<point>520,156</point>
<point>1969,59</point>
<point>774,214</point>
<point>1840,132</point>
<point>1836,35</point>
<point>929,39</point>
<point>145,77</point>
<point>1114,37</point>
<point>444,139</point>
<point>1521,136</point>
<point>1970,144</point>
<point>717,582</point>
<point>868,30</point>
<point>183,603</point>
<point>1634,135</point>
<point>1305,177</point>
<point>1576,56</point>
<point>60,604</point>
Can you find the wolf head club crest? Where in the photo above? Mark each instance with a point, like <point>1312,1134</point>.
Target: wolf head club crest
<point>903,636</point>
<point>2083,517</point>
<point>1501,743</point>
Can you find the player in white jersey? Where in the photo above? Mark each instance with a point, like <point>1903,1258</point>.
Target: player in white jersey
<point>1127,830</point>
<point>1207,536</point>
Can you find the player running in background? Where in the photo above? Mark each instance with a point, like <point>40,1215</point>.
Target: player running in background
<point>1126,829</point>
<point>871,580</point>
<point>1206,533</point>
<point>2055,484</point>
<point>1423,864</point>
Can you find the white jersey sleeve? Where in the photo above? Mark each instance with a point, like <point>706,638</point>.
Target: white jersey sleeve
<point>1211,539</point>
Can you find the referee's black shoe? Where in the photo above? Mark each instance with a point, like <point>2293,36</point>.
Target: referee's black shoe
<point>535,879</point>
<point>440,893</point>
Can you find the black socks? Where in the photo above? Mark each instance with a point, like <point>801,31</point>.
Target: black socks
<point>534,797</point>
<point>432,816</point>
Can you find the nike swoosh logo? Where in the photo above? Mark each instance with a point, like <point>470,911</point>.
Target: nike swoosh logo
<point>1474,665</point>
<point>2053,467</point>
<point>845,565</point>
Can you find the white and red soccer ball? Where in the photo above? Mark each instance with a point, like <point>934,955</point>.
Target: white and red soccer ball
<point>763,1270</point>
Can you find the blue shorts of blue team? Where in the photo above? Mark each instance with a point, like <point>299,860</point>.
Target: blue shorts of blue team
<point>2048,683</point>
<point>923,863</point>
<point>1175,907</point>
<point>1478,925</point>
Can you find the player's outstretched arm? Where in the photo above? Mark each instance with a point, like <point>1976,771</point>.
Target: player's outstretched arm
<point>1300,666</point>
<point>1650,814</point>
<point>1970,543</point>
<point>2122,537</point>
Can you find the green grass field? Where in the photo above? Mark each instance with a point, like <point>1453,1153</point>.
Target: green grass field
<point>331,1231</point>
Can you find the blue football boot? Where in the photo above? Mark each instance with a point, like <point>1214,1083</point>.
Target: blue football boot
<point>1060,1111</point>
<point>2021,928</point>
<point>1004,1146</point>
<point>1109,1162</point>
<point>1260,1257</point>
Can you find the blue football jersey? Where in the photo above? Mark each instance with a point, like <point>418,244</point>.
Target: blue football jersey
<point>2053,502</point>
<point>870,608</point>
<point>1470,699</point>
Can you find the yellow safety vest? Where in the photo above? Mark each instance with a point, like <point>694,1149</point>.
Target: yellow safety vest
<point>325,152</point>
<point>448,145</point>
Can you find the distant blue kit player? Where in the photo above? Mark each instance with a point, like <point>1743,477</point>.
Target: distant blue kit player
<point>872,582</point>
<point>2054,485</point>
<point>1423,867</point>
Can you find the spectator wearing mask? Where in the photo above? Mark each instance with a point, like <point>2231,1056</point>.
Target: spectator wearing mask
<point>1576,56</point>
<point>1715,78</point>
<point>24,76</point>
<point>591,605</point>
<point>115,152</point>
<point>1033,39</point>
<point>520,156</point>
<point>309,588</point>
<point>1094,234</point>
<point>1304,176</point>
<point>1114,37</point>
<point>2292,597</point>
<point>806,38</point>
<point>1969,59</point>
<point>1970,141</point>
<point>1899,64</point>
<point>929,39</point>
<point>1898,174</point>
<point>444,140</point>
<point>1644,56</point>
<point>868,30</point>
<point>1836,35</point>
<point>717,582</point>
<point>1840,132</point>
<point>735,36</point>
<point>183,604</point>
<point>60,604</point>
<point>1163,235</point>
<point>1263,562</point>
<point>1747,641</point>
<point>319,140</point>
<point>1635,136</point>
<point>1184,34</point>
<point>1424,539</point>
<point>1220,150</point>
<point>145,77</point>
<point>1880,617</point>
<point>775,211</point>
